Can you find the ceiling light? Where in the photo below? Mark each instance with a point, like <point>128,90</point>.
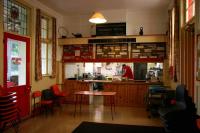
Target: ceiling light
<point>97,18</point>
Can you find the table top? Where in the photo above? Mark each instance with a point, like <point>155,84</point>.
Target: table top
<point>96,93</point>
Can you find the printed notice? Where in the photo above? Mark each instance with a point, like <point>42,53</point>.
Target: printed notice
<point>77,52</point>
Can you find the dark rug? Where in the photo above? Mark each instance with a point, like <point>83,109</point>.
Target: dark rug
<point>92,127</point>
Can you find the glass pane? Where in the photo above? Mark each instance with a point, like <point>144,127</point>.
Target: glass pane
<point>16,56</point>
<point>49,51</point>
<point>44,67</point>
<point>44,50</point>
<point>44,34</point>
<point>14,15</point>
<point>44,24</point>
<point>49,66</point>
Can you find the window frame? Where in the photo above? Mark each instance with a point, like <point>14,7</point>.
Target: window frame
<point>48,42</point>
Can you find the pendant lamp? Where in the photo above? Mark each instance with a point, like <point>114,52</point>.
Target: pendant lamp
<point>97,18</point>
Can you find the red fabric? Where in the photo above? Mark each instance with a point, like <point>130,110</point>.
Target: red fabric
<point>173,101</point>
<point>36,94</point>
<point>128,72</point>
<point>198,123</point>
<point>46,102</point>
<point>57,91</point>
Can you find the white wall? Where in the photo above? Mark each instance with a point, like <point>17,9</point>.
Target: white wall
<point>153,22</point>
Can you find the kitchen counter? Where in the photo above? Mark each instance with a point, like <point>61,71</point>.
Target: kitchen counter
<point>128,93</point>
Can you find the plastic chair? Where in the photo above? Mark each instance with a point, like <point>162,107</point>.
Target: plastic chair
<point>40,104</point>
<point>59,96</point>
<point>9,113</point>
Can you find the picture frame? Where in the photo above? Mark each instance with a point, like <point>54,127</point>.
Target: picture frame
<point>198,58</point>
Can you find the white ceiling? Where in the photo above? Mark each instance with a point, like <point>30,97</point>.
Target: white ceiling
<point>89,6</point>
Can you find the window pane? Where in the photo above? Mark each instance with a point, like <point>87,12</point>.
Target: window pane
<point>44,34</point>
<point>44,50</point>
<point>14,17</point>
<point>44,23</point>
<point>190,9</point>
<point>44,67</point>
<point>49,66</point>
<point>49,51</point>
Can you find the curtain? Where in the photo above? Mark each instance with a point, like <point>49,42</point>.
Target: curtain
<point>54,44</point>
<point>38,62</point>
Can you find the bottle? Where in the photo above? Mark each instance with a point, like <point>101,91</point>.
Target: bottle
<point>141,31</point>
<point>78,72</point>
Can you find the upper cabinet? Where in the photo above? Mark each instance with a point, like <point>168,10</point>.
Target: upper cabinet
<point>114,48</point>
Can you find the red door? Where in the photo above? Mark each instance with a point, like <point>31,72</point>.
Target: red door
<point>17,69</point>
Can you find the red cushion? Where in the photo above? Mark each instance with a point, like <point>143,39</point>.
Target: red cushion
<point>56,90</point>
<point>173,101</point>
<point>46,102</point>
<point>36,94</point>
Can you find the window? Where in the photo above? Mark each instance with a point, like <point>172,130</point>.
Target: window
<point>15,17</point>
<point>190,9</point>
<point>46,45</point>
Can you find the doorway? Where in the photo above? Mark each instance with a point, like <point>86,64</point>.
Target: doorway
<point>17,69</point>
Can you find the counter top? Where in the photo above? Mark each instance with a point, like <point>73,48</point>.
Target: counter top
<point>120,82</point>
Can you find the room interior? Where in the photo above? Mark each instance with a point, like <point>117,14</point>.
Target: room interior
<point>53,55</point>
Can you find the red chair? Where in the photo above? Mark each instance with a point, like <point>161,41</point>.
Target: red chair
<point>59,96</point>
<point>41,105</point>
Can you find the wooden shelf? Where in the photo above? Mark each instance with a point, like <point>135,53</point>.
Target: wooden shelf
<point>139,39</point>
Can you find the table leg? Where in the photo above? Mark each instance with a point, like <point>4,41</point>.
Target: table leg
<point>80,101</point>
<point>111,105</point>
<point>114,103</point>
<point>76,98</point>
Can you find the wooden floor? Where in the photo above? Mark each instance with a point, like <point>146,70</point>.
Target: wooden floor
<point>63,120</point>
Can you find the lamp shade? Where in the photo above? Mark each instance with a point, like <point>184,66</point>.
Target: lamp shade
<point>97,18</point>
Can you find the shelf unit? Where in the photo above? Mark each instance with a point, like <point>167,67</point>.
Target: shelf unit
<point>148,50</point>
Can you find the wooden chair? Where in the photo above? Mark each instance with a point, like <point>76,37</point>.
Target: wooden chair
<point>40,104</point>
<point>59,96</point>
<point>9,113</point>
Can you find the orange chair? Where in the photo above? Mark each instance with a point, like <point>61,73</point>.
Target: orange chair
<point>41,105</point>
<point>59,96</point>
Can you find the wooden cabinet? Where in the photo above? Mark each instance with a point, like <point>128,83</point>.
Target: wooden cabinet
<point>71,86</point>
<point>127,94</point>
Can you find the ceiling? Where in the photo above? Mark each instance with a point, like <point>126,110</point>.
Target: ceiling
<point>72,7</point>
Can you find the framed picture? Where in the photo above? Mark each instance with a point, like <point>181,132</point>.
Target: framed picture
<point>198,57</point>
